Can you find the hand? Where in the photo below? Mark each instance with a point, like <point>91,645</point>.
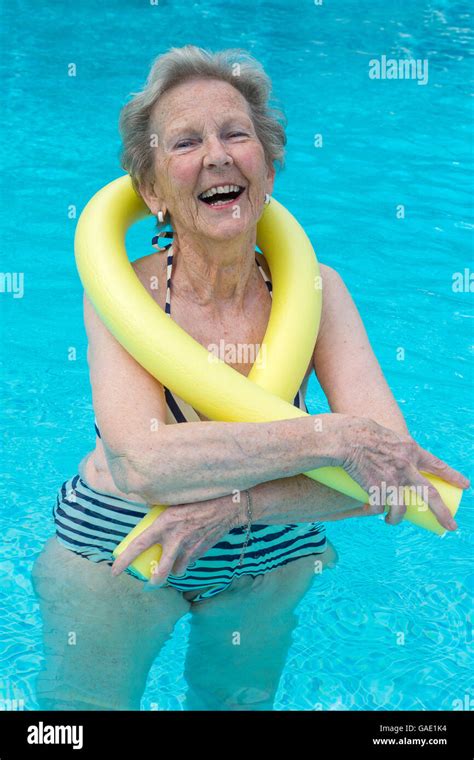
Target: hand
<point>185,533</point>
<point>375,456</point>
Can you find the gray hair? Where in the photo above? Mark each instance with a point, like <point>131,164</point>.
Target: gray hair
<point>235,66</point>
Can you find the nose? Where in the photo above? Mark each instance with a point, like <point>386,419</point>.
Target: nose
<point>216,154</point>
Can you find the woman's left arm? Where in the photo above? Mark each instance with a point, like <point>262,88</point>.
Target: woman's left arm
<point>345,364</point>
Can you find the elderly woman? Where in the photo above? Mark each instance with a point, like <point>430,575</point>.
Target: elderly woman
<point>201,143</point>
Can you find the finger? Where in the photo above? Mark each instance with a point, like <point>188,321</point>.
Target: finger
<point>182,563</point>
<point>164,567</point>
<point>396,506</point>
<point>149,537</point>
<point>434,501</point>
<point>436,466</point>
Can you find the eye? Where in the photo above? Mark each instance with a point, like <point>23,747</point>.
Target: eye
<point>183,143</point>
<point>238,134</point>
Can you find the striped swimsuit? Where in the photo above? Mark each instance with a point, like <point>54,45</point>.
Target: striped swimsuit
<point>92,523</point>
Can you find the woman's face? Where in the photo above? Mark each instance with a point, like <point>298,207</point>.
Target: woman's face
<point>206,139</point>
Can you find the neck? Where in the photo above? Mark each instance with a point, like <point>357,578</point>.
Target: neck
<point>215,274</point>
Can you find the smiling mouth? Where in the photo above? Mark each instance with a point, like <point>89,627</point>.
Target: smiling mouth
<point>221,199</point>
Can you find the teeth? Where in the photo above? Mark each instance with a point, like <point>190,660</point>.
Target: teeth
<point>220,189</point>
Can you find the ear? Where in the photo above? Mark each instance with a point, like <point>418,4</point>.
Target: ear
<point>149,195</point>
<point>270,179</point>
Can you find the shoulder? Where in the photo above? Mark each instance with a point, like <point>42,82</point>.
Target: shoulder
<point>329,275</point>
<point>336,297</point>
<point>149,270</point>
<point>332,287</point>
<point>341,323</point>
<point>332,283</point>
<point>152,264</point>
<point>145,267</point>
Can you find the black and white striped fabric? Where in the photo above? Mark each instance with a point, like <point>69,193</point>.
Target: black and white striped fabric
<point>92,523</point>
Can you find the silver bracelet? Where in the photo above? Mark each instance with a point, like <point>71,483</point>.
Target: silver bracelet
<point>249,525</point>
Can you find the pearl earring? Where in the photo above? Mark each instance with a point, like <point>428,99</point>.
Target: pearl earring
<point>160,217</point>
<point>266,199</point>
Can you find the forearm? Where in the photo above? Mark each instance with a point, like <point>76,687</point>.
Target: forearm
<point>205,460</point>
<point>297,499</point>
<point>300,499</point>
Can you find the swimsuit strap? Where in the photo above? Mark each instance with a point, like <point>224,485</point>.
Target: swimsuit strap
<point>169,268</point>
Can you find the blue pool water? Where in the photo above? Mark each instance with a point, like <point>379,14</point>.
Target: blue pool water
<point>386,143</point>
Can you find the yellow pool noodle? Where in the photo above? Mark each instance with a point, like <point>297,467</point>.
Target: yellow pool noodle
<point>180,363</point>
